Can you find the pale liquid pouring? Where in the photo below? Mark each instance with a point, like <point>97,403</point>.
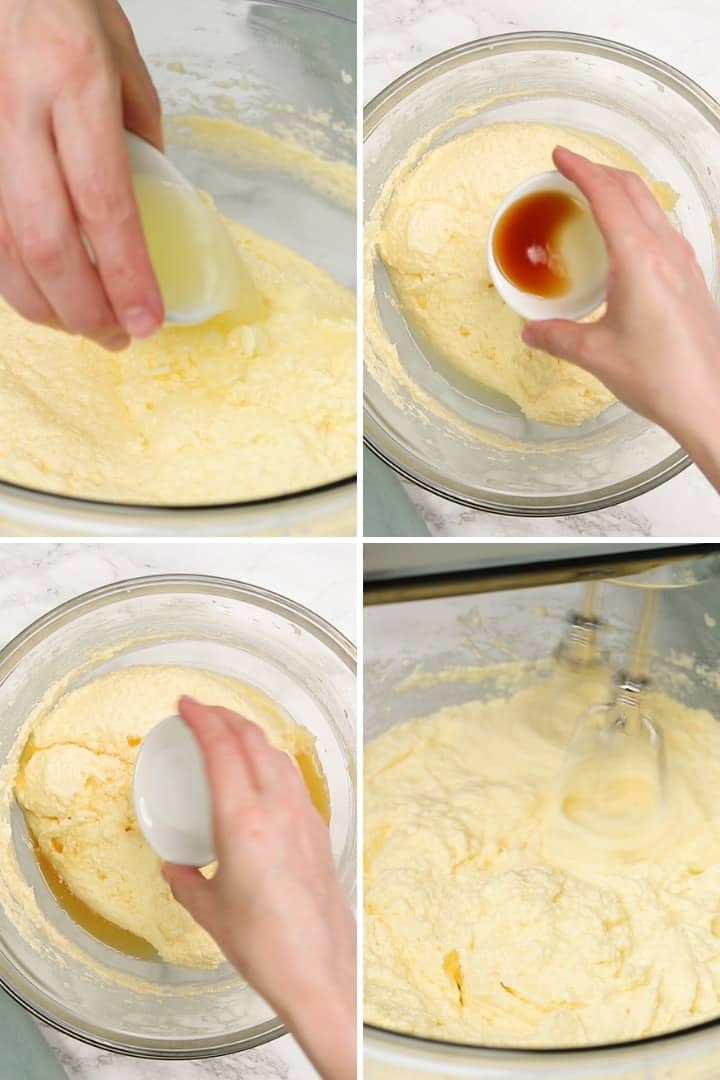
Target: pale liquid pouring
<point>614,778</point>
<point>198,268</point>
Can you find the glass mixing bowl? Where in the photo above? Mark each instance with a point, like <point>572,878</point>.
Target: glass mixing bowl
<point>288,69</point>
<point>488,455</point>
<point>454,636</point>
<point>288,652</point>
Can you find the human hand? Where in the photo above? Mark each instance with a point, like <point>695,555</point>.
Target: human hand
<point>275,905</point>
<point>71,79</point>
<point>657,348</point>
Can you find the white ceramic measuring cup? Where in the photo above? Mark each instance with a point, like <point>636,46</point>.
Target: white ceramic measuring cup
<point>147,160</point>
<point>586,296</point>
<point>223,281</point>
<point>172,796</point>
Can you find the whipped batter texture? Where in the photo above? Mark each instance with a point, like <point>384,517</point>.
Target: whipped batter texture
<point>433,240</point>
<point>75,787</point>
<point>490,919</point>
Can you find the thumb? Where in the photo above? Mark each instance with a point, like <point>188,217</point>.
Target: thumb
<point>560,337</point>
<point>190,889</point>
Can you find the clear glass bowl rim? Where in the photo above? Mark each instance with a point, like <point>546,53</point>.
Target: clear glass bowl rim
<point>375,112</point>
<point>156,584</point>
<point>563,1056</point>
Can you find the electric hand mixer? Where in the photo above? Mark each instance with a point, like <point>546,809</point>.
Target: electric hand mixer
<point>614,783</point>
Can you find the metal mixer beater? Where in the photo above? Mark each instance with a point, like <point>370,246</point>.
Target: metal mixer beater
<point>614,778</point>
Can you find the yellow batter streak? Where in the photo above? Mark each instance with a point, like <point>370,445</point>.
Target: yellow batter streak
<point>75,786</point>
<point>490,919</point>
<point>434,242</point>
<point>195,415</point>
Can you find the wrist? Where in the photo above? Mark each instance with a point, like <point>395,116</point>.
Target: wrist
<point>700,436</point>
<point>325,989</point>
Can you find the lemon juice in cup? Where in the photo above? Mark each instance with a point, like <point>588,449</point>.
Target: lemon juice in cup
<point>199,270</point>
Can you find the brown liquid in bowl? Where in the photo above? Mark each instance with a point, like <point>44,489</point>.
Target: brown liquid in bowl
<point>108,932</point>
<point>526,243</point>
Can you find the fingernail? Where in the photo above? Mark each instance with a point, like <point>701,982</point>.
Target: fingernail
<point>140,323</point>
<point>116,342</point>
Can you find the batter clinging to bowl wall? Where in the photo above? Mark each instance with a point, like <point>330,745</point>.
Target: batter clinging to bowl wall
<point>657,346</point>
<point>222,412</point>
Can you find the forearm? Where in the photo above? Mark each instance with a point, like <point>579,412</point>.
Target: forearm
<point>312,988</point>
<point>324,1023</point>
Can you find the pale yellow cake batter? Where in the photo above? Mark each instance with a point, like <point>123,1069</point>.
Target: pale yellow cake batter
<point>75,787</point>
<point>433,239</point>
<point>196,415</point>
<point>491,920</point>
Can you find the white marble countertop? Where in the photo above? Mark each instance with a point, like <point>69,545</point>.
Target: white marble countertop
<point>399,35</point>
<point>36,577</point>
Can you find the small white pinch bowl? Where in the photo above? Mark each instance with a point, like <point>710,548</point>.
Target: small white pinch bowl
<point>580,301</point>
<point>172,796</point>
